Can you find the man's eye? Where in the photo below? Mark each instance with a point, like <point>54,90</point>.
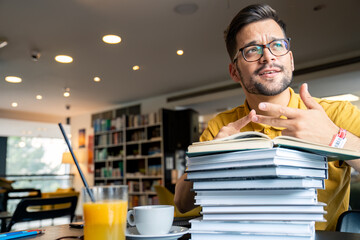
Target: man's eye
<point>253,50</point>
<point>278,45</point>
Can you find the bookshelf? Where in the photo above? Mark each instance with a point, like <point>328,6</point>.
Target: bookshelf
<point>129,150</point>
<point>141,150</point>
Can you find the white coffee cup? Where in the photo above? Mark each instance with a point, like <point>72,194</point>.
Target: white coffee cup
<point>151,219</point>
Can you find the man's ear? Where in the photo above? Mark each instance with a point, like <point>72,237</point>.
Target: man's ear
<point>292,61</point>
<point>233,73</point>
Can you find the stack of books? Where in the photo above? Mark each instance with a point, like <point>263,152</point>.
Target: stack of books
<point>252,187</point>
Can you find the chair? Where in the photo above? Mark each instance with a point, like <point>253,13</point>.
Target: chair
<point>167,198</point>
<point>61,192</point>
<point>349,221</point>
<point>18,194</point>
<point>31,209</point>
<point>355,195</point>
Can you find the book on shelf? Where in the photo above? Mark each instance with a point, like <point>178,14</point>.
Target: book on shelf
<point>314,208</point>
<point>257,140</point>
<point>319,217</point>
<point>280,183</point>
<point>134,186</point>
<point>237,235</point>
<point>256,197</point>
<point>259,172</point>
<point>288,227</point>
<point>252,158</point>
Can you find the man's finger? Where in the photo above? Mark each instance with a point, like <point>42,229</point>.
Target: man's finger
<point>308,100</point>
<point>278,110</point>
<point>274,121</point>
<point>271,121</point>
<point>242,122</point>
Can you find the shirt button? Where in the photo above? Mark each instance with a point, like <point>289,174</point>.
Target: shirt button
<point>267,131</point>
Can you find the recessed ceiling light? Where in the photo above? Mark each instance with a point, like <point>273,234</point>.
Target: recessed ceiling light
<point>13,79</point>
<point>180,52</point>
<point>3,43</point>
<point>67,92</point>
<point>136,67</point>
<point>111,39</point>
<point>14,104</point>
<point>38,97</point>
<point>97,79</point>
<point>63,59</point>
<point>344,97</point>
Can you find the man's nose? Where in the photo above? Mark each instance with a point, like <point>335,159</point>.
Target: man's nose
<point>267,56</point>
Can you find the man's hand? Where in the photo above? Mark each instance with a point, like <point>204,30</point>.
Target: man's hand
<point>312,124</point>
<point>234,127</point>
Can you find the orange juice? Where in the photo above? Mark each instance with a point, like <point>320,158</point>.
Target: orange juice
<point>105,220</point>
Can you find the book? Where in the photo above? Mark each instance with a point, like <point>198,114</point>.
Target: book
<point>256,140</point>
<point>281,183</point>
<point>277,161</point>
<point>259,172</point>
<point>314,208</point>
<point>235,235</point>
<point>288,227</point>
<point>259,193</point>
<point>253,158</point>
<point>256,197</point>
<point>255,154</point>
<point>319,217</point>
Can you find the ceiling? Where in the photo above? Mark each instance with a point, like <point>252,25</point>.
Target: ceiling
<point>151,33</point>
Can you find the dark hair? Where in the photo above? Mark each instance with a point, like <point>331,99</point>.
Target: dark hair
<point>250,14</point>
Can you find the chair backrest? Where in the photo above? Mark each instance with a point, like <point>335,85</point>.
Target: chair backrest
<point>60,194</point>
<point>38,208</point>
<point>20,193</point>
<point>23,193</point>
<point>167,198</point>
<point>349,221</point>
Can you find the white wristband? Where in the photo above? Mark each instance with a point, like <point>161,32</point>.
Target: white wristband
<point>339,139</point>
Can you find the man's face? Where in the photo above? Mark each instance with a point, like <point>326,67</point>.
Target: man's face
<point>270,75</point>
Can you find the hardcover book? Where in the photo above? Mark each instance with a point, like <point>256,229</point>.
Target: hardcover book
<point>257,140</point>
<point>260,158</point>
<point>234,235</point>
<point>289,209</point>
<point>259,184</point>
<point>268,197</point>
<point>289,227</point>
<point>259,172</point>
<point>319,217</point>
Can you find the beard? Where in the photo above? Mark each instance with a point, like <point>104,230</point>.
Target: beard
<point>254,87</point>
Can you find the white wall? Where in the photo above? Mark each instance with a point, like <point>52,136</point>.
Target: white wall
<point>77,123</point>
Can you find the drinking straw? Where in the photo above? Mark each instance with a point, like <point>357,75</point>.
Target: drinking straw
<point>77,163</point>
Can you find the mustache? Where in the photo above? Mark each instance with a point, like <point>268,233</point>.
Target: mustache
<point>268,66</point>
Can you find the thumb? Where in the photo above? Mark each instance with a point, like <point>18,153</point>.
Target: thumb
<point>308,100</point>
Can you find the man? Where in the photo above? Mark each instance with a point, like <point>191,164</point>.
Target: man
<point>263,64</point>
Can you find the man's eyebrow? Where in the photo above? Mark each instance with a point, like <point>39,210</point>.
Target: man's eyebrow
<point>254,42</point>
<point>250,43</point>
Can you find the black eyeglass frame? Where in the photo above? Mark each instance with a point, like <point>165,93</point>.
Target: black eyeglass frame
<point>263,46</point>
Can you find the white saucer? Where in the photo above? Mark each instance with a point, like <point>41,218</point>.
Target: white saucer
<point>175,233</point>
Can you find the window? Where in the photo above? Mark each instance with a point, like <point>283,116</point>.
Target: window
<point>37,156</point>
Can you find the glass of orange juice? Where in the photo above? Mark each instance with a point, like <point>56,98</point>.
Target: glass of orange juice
<point>106,217</point>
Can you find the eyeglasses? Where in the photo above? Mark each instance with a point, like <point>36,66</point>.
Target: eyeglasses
<point>252,53</point>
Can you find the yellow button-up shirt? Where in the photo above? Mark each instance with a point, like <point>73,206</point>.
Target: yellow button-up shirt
<point>337,186</point>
